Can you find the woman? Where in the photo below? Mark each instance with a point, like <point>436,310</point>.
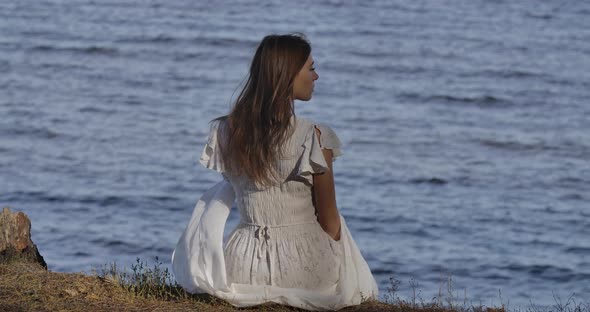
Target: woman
<point>291,245</point>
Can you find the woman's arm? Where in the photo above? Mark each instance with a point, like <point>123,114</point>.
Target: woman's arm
<point>325,197</point>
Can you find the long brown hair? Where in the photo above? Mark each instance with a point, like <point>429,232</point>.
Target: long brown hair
<point>259,122</point>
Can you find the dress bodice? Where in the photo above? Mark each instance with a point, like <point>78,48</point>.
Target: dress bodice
<point>290,200</point>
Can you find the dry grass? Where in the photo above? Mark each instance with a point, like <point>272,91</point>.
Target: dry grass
<point>26,287</point>
<point>29,287</point>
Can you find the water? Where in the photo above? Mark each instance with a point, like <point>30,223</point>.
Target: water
<point>465,130</point>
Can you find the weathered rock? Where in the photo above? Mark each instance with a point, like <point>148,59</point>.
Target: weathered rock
<point>15,239</point>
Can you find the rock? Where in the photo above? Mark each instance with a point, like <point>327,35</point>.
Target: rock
<point>15,239</point>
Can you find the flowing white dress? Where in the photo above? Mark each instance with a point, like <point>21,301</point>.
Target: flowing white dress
<point>278,252</point>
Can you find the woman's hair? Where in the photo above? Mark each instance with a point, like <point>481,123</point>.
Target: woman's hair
<point>259,123</point>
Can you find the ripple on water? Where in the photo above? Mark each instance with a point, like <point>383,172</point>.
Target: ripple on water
<point>85,50</point>
<point>573,197</point>
<point>34,132</point>
<point>433,181</point>
<point>118,246</point>
<point>544,271</point>
<point>483,101</point>
<point>577,250</point>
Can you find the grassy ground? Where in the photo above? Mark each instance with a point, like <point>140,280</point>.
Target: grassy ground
<point>29,287</point>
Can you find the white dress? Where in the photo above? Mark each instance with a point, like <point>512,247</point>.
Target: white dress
<point>278,252</point>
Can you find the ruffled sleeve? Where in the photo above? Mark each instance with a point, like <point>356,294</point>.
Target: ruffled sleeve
<point>329,140</point>
<point>312,159</point>
<point>211,155</point>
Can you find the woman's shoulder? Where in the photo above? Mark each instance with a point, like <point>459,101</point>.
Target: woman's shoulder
<point>218,128</point>
<point>327,136</point>
<point>308,124</point>
<point>218,122</point>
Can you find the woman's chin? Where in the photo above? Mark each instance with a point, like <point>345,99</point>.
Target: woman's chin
<point>304,99</point>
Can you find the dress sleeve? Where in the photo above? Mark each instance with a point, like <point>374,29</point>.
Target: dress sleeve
<point>211,155</point>
<point>329,140</point>
<point>312,159</point>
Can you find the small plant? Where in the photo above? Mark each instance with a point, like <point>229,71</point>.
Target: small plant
<point>391,297</point>
<point>415,293</point>
<point>143,280</point>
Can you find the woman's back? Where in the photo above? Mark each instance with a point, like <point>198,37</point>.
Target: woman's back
<point>291,199</point>
<point>279,240</point>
